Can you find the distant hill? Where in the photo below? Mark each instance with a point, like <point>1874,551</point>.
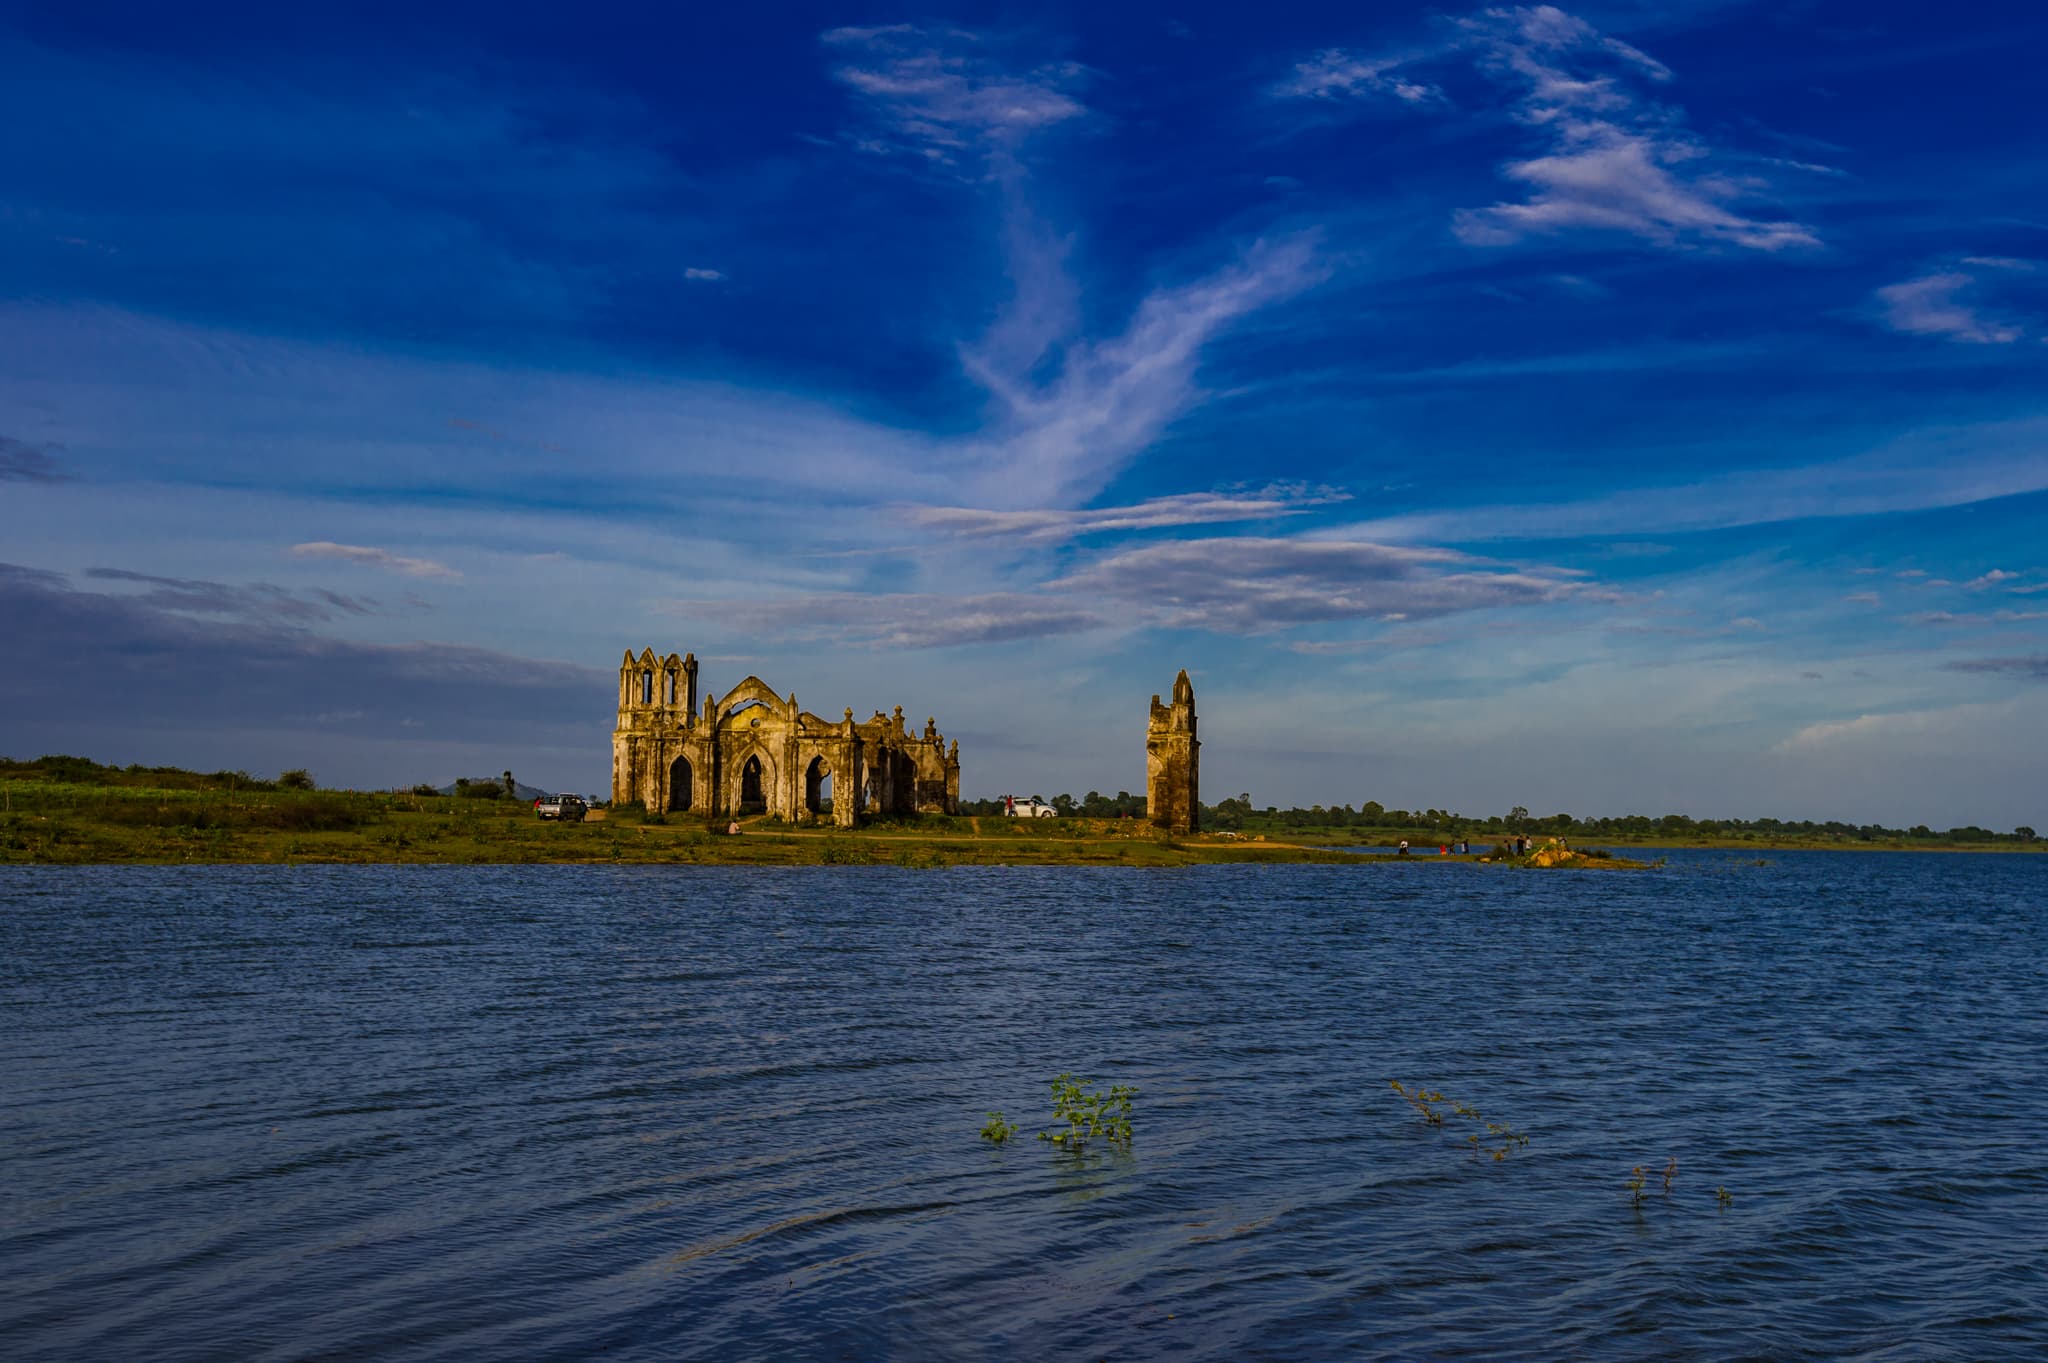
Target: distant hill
<point>524,793</point>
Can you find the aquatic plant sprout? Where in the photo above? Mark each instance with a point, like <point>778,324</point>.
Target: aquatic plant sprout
<point>1089,1113</point>
<point>1425,1101</point>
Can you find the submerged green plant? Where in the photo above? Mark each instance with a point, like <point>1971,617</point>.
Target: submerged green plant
<point>1635,1187</point>
<point>996,1130</point>
<point>1089,1113</point>
<point>1422,1100</point>
<point>1723,1196</point>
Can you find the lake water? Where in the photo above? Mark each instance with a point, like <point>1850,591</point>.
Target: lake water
<point>676,1113</point>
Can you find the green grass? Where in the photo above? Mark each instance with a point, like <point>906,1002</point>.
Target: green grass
<point>46,822</point>
<point>63,810</point>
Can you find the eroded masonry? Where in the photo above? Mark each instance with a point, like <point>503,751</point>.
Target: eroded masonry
<point>1173,761</point>
<point>754,752</point>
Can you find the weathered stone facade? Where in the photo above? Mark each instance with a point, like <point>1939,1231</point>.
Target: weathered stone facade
<point>753,752</point>
<point>1173,759</point>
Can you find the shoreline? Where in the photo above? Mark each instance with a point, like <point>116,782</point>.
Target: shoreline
<point>147,820</point>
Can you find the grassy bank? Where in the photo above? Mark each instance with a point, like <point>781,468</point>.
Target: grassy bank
<point>47,822</point>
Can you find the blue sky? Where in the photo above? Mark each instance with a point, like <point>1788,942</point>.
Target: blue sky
<point>1620,407</point>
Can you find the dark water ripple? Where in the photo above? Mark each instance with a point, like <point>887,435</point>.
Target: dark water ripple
<point>566,1112</point>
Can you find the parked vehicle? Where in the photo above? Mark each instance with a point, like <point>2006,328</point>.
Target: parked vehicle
<point>567,808</point>
<point>1032,808</point>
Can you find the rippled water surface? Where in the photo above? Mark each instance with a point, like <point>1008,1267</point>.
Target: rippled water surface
<point>575,1112</point>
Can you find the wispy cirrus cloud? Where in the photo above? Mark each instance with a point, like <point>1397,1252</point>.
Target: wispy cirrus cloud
<point>1069,410</point>
<point>2033,668</point>
<point>1337,74</point>
<point>1614,159</point>
<point>253,601</point>
<point>1048,525</point>
<point>370,557</point>
<point>1259,585</point>
<point>942,94</point>
<point>1232,586</point>
<point>905,619</point>
<point>1063,438</point>
<point>2004,617</point>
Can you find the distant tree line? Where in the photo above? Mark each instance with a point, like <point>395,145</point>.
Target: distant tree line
<point>1239,814</point>
<point>1093,805</point>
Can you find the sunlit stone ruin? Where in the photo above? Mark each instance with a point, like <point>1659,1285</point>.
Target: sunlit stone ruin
<point>1173,761</point>
<point>754,752</point>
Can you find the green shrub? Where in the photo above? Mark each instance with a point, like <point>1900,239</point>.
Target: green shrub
<point>311,814</point>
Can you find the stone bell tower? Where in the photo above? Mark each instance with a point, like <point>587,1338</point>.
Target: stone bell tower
<point>1173,761</point>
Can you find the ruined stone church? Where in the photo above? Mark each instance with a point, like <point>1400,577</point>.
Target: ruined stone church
<point>754,752</point>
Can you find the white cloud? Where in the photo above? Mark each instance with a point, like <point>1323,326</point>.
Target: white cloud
<point>1069,411</point>
<point>939,94</point>
<point>1616,161</point>
<point>1603,176</point>
<point>701,275</point>
<point>1237,586</point>
<point>1862,726</point>
<point>1931,306</point>
<point>1039,526</point>
<point>1337,74</point>
<point>375,558</point>
<point>1990,579</point>
<point>1065,438</point>
<point>1257,585</point>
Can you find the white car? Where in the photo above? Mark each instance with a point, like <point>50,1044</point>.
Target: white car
<point>566,808</point>
<point>1033,808</point>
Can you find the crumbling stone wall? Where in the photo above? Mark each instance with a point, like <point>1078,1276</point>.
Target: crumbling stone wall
<point>752,751</point>
<point>1173,761</point>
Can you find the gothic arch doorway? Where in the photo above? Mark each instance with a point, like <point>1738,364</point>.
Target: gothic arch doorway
<point>753,786</point>
<point>680,793</point>
<point>818,787</point>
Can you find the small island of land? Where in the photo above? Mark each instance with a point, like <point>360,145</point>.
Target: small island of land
<point>65,810</point>
<point>71,810</point>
